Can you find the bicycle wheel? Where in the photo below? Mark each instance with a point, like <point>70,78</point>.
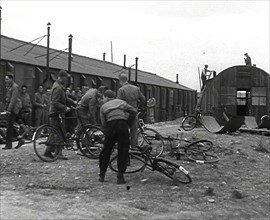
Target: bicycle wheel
<point>149,136</point>
<point>172,170</point>
<point>189,123</point>
<point>199,146</point>
<point>202,157</point>
<point>136,163</point>
<point>90,141</point>
<point>28,135</point>
<point>47,138</point>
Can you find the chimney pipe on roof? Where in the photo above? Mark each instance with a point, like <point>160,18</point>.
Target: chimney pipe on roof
<point>136,71</point>
<point>104,54</point>
<point>124,62</point>
<point>177,79</point>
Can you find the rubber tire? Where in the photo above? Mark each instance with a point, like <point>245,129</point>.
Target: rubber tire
<point>199,146</point>
<point>146,136</point>
<point>167,167</point>
<point>189,123</point>
<point>137,163</point>
<point>93,136</point>
<point>203,157</point>
<point>40,138</point>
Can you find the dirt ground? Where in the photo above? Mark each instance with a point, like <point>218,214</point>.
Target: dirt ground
<point>237,187</point>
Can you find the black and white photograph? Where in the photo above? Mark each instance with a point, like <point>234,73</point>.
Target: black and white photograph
<point>151,110</point>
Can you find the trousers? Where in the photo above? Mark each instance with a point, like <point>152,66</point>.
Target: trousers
<point>115,131</point>
<point>10,121</point>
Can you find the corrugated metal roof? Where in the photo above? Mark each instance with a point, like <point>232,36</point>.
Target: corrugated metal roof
<point>80,64</point>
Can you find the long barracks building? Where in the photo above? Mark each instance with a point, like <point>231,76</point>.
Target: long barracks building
<point>28,63</point>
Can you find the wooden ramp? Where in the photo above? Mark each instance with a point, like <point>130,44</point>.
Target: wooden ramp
<point>250,122</point>
<point>211,124</point>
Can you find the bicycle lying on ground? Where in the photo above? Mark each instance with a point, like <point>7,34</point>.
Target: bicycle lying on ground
<point>196,151</point>
<point>82,141</point>
<point>149,136</point>
<point>20,130</point>
<point>142,158</point>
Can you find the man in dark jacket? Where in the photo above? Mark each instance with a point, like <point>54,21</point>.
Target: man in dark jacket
<point>59,104</point>
<point>114,114</point>
<point>13,106</point>
<point>247,59</point>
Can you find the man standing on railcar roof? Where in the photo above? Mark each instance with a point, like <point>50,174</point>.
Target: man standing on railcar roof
<point>247,59</point>
<point>134,97</point>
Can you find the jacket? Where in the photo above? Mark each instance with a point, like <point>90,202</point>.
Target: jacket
<point>59,100</point>
<point>116,109</point>
<point>13,103</point>
<point>131,94</point>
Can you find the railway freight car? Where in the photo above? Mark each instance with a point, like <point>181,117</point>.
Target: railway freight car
<point>238,90</point>
<point>28,63</point>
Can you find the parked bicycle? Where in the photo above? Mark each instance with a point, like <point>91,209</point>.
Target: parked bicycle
<point>82,141</point>
<point>142,158</point>
<point>194,120</point>
<point>149,136</point>
<point>196,151</point>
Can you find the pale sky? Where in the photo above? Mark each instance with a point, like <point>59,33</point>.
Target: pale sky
<point>168,37</point>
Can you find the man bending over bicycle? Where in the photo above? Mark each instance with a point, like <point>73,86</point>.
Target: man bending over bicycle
<point>114,114</point>
<point>87,106</point>
<point>59,104</point>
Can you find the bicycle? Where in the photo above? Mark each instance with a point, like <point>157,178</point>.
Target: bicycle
<point>149,136</point>
<point>191,121</point>
<point>21,130</point>
<point>142,158</point>
<point>194,120</point>
<point>52,136</point>
<point>197,151</point>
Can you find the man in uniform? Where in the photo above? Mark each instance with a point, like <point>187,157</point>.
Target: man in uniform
<point>114,114</point>
<point>134,97</point>
<point>87,106</point>
<point>13,106</point>
<point>26,111</point>
<point>59,104</point>
<point>39,105</point>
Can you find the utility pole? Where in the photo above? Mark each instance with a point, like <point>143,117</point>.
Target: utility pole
<point>48,53</point>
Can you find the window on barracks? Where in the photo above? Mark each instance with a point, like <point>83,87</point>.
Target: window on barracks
<point>242,97</point>
<point>259,96</point>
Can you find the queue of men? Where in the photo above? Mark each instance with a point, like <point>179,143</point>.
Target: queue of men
<point>118,115</point>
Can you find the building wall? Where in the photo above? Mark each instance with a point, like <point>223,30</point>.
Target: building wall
<point>170,103</point>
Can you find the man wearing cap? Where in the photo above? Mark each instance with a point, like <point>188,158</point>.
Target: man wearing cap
<point>114,114</point>
<point>87,106</point>
<point>206,74</point>
<point>59,104</point>
<point>13,106</point>
<point>247,59</point>
<point>134,97</point>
